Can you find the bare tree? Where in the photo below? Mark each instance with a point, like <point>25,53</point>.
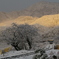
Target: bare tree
<point>20,34</point>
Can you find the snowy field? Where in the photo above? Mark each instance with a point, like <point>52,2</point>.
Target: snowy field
<point>15,53</point>
<point>26,57</point>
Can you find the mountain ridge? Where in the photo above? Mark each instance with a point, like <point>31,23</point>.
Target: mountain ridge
<point>37,10</point>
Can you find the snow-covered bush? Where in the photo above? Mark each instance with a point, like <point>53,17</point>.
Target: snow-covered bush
<point>19,35</point>
<point>40,54</point>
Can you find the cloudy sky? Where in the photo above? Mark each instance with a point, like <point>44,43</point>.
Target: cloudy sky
<point>16,5</point>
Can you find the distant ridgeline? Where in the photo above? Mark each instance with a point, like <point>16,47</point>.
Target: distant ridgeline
<point>37,10</point>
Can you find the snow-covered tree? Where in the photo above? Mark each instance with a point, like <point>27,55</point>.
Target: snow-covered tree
<point>19,35</point>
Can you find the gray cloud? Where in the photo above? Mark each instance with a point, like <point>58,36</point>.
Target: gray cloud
<point>16,5</point>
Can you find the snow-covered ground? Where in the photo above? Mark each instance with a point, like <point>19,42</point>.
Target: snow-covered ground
<point>52,52</point>
<point>25,57</point>
<point>14,53</point>
<point>49,51</point>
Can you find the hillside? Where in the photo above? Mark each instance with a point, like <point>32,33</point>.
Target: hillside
<point>25,20</point>
<point>47,20</point>
<point>37,10</point>
<point>4,16</point>
<point>19,20</point>
<point>41,9</point>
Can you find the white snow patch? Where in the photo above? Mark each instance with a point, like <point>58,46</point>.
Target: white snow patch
<point>14,53</point>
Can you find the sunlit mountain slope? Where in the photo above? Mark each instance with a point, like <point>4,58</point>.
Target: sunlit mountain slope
<point>19,20</point>
<point>48,20</point>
